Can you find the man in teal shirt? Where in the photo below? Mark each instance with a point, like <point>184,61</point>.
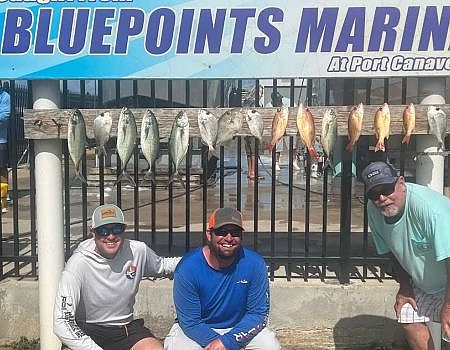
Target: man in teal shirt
<point>412,223</point>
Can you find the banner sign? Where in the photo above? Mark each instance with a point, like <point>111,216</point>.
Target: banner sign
<point>170,39</point>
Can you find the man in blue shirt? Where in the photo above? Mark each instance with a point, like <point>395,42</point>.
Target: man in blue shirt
<point>5,110</point>
<point>411,223</point>
<point>221,293</point>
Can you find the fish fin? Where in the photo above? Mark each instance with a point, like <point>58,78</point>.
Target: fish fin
<point>349,147</point>
<point>380,146</point>
<point>125,177</point>
<point>406,139</point>
<point>312,152</point>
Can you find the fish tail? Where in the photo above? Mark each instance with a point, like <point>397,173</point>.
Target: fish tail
<point>441,146</point>
<point>211,152</point>
<point>312,152</point>
<point>328,163</point>
<point>380,146</point>
<point>270,146</point>
<point>101,151</point>
<point>125,177</point>
<point>80,176</point>
<point>176,176</point>
<point>150,176</point>
<point>349,147</point>
<point>406,139</point>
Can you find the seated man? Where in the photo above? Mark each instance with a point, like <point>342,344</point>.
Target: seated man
<point>96,293</point>
<point>221,293</point>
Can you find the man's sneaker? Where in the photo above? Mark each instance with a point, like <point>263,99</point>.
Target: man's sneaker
<point>295,165</point>
<point>277,166</point>
<point>4,210</point>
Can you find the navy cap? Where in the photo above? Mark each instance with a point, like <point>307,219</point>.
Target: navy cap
<point>378,173</point>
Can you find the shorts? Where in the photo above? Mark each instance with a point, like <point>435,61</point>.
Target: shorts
<point>429,308</point>
<point>117,337</point>
<point>4,156</point>
<point>249,143</point>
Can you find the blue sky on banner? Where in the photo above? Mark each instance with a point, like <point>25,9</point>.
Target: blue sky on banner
<point>87,39</point>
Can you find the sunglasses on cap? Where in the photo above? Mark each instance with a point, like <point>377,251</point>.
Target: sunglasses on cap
<point>385,190</point>
<point>105,230</point>
<point>234,232</point>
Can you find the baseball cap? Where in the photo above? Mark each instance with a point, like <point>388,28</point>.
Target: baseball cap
<point>378,173</point>
<point>107,214</point>
<point>225,216</point>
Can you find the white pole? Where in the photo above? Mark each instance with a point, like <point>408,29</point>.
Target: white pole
<point>430,167</point>
<point>49,215</point>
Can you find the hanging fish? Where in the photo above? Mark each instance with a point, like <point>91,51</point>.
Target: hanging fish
<point>178,143</point>
<point>229,125</point>
<point>76,140</point>
<point>355,119</point>
<point>329,135</point>
<point>208,125</point>
<point>102,130</point>
<point>437,123</point>
<point>279,124</point>
<point>255,123</point>
<point>150,143</point>
<point>307,129</point>
<point>409,122</point>
<point>382,122</point>
<point>126,142</point>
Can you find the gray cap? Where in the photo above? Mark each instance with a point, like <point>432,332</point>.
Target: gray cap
<point>225,216</point>
<point>107,214</point>
<point>378,173</point>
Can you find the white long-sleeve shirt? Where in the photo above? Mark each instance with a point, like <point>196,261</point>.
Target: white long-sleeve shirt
<point>102,291</point>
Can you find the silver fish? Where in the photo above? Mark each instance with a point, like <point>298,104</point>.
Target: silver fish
<point>178,143</point>
<point>437,122</point>
<point>150,143</point>
<point>229,124</point>
<point>329,134</point>
<point>207,124</point>
<point>255,123</point>
<point>126,142</point>
<point>102,130</point>
<point>76,140</point>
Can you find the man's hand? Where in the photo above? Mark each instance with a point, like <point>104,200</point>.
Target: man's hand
<point>445,319</point>
<point>404,296</point>
<point>216,344</point>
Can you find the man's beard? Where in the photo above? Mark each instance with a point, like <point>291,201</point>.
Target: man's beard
<point>215,250</point>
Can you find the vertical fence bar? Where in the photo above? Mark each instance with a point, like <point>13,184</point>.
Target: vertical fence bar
<point>67,235</point>
<point>33,210</point>
<point>136,155</point>
<point>345,221</point>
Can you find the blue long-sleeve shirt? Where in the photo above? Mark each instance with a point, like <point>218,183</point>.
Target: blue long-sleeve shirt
<point>236,297</point>
<point>5,109</point>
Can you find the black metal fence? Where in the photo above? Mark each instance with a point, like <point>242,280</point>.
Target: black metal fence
<point>305,226</point>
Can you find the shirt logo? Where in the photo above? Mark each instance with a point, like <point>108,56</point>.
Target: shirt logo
<point>244,281</point>
<point>131,272</point>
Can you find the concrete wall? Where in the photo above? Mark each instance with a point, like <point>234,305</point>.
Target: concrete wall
<point>306,315</point>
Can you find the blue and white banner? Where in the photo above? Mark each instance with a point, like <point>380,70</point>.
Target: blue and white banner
<point>100,39</point>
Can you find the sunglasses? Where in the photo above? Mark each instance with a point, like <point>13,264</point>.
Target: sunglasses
<point>104,231</point>
<point>385,190</point>
<point>223,232</point>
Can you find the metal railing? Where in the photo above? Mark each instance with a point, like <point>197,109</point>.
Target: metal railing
<point>305,227</point>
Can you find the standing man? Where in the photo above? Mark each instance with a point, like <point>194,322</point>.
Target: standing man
<point>5,111</point>
<point>411,223</point>
<point>96,293</point>
<point>221,293</point>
